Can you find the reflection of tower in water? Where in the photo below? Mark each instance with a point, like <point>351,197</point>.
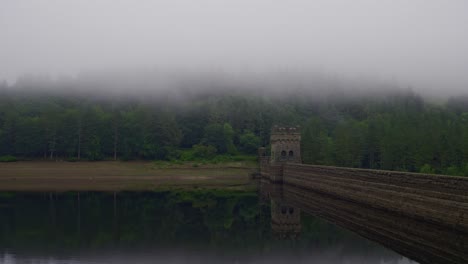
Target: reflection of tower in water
<point>285,220</point>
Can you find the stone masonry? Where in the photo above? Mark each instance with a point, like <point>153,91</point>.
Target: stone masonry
<point>435,199</point>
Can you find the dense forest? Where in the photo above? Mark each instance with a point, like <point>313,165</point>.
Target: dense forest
<point>393,130</point>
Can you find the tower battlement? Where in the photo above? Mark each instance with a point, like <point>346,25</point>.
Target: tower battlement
<point>285,144</point>
<point>285,130</point>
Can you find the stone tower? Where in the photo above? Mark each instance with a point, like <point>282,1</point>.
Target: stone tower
<point>285,144</point>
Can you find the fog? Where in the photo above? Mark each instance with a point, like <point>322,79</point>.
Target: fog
<point>334,256</point>
<point>420,43</point>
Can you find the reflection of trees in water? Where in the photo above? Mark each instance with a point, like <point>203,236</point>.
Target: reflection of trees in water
<point>98,219</point>
<point>199,219</point>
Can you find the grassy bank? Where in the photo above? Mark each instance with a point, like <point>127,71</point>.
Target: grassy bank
<point>118,175</point>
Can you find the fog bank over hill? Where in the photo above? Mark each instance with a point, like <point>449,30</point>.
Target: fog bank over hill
<point>420,43</point>
<point>180,85</point>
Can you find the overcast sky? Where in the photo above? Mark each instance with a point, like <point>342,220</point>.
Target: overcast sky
<point>423,43</point>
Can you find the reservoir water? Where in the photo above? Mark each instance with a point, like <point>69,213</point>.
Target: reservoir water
<point>209,226</point>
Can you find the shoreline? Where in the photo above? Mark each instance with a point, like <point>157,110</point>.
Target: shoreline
<point>122,176</point>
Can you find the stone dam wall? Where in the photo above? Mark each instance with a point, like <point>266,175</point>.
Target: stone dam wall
<point>435,199</point>
<point>420,241</point>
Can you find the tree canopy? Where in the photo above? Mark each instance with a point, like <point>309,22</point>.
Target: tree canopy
<point>396,130</point>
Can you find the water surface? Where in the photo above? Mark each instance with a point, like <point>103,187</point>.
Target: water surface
<point>172,227</point>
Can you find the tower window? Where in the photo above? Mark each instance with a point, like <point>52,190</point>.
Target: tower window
<point>283,153</point>
<point>291,153</point>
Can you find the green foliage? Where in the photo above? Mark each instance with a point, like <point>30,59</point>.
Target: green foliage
<point>453,170</point>
<point>94,149</point>
<point>350,143</point>
<point>214,136</point>
<point>249,142</point>
<point>149,151</point>
<point>465,170</point>
<point>207,154</point>
<point>426,168</point>
<point>398,131</point>
<point>187,155</point>
<point>220,137</point>
<point>228,134</point>
<point>233,158</point>
<point>203,152</point>
<point>171,153</point>
<point>8,158</point>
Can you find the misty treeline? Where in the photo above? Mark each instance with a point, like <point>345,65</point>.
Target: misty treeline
<point>388,128</point>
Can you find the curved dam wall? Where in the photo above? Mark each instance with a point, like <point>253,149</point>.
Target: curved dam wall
<point>420,241</point>
<point>436,199</point>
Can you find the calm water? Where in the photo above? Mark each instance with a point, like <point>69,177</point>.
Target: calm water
<point>172,227</point>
